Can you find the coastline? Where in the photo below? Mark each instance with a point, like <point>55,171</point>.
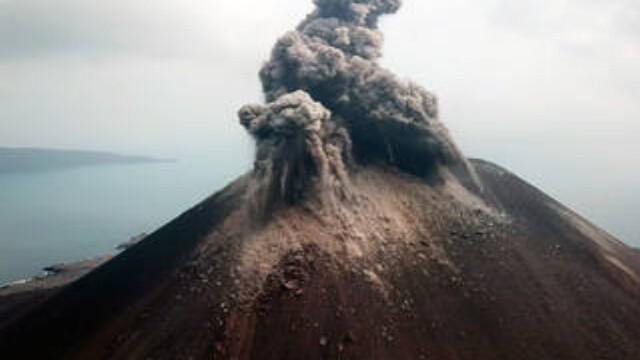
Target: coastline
<point>57,275</point>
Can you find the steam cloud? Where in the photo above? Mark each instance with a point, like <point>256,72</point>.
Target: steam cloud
<point>323,83</point>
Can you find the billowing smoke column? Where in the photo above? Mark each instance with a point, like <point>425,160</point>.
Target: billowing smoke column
<point>298,146</point>
<point>329,100</point>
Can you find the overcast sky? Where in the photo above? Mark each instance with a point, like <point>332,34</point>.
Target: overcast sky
<point>549,88</point>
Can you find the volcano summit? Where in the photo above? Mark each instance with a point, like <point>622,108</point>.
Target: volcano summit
<point>362,232</point>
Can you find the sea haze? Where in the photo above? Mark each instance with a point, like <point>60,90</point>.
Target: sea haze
<point>81,212</point>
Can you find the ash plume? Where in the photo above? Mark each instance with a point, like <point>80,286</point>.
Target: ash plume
<point>297,144</point>
<point>332,58</point>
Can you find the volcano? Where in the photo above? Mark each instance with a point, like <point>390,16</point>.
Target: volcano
<point>362,232</point>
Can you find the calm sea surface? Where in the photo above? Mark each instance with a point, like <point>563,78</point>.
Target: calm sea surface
<point>62,216</point>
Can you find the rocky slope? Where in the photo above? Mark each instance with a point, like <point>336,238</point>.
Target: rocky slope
<point>412,269</point>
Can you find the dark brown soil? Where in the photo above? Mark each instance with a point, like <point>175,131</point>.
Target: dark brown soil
<point>410,270</point>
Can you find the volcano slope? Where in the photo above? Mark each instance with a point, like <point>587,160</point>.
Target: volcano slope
<point>409,270</point>
<point>362,232</point>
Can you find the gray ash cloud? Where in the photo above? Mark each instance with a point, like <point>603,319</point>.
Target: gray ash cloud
<point>331,59</point>
<point>298,143</point>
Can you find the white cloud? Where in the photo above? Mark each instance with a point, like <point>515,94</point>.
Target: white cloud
<point>157,28</point>
<point>130,74</point>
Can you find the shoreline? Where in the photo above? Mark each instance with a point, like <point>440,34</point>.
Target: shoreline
<point>61,274</point>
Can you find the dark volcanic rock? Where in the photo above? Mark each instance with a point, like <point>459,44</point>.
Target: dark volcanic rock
<point>408,270</point>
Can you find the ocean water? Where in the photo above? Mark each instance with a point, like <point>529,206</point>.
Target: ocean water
<point>69,215</point>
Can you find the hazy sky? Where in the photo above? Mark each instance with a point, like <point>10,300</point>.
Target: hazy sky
<point>549,88</point>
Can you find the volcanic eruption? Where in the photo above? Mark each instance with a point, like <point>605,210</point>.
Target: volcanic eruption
<point>329,63</point>
<point>361,232</point>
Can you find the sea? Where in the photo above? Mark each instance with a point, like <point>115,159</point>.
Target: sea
<point>74,214</point>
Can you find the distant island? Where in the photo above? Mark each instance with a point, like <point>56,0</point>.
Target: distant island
<point>21,160</point>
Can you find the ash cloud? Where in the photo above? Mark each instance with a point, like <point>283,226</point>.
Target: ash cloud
<point>332,57</point>
<point>297,142</point>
